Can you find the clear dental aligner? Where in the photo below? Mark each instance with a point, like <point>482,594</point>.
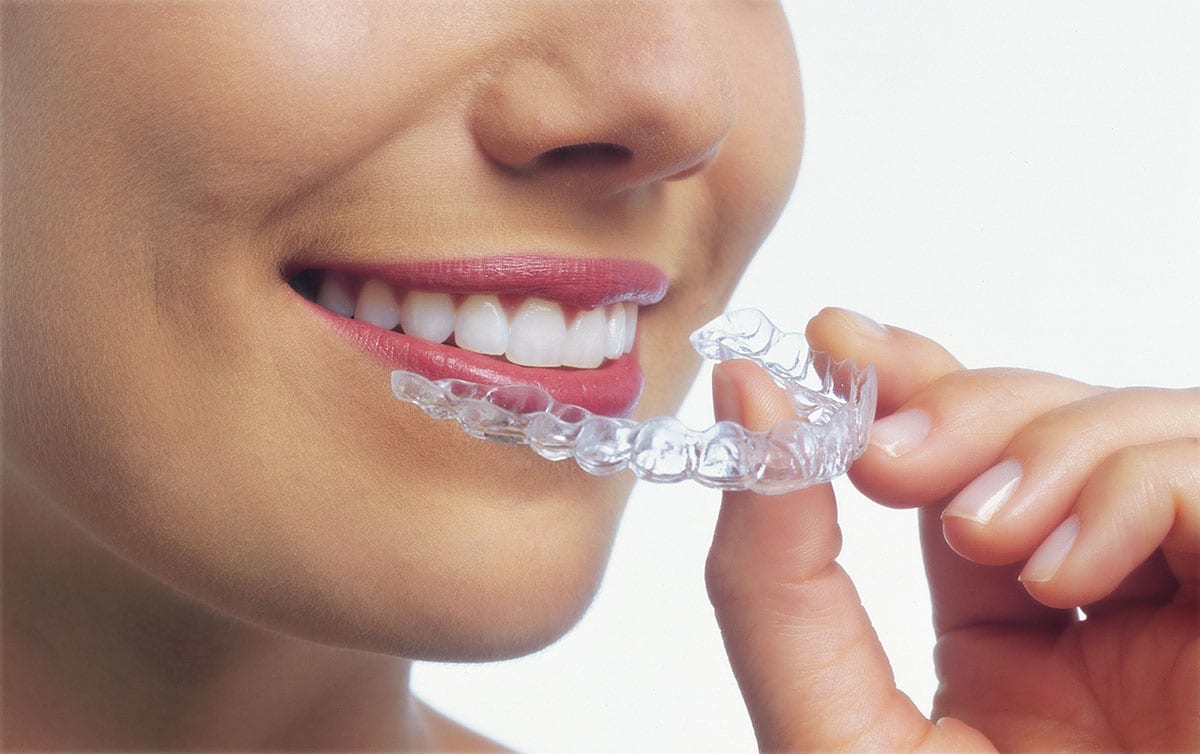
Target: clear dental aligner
<point>834,402</point>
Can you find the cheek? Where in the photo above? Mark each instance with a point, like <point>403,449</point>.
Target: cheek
<point>397,533</point>
<point>238,460</point>
<point>759,161</point>
<point>233,105</point>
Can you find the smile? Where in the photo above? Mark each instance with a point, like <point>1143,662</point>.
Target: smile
<point>568,326</point>
<point>529,331</point>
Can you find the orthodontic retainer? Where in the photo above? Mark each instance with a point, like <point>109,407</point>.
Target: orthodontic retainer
<point>834,402</point>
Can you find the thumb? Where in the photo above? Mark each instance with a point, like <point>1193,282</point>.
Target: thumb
<point>807,660</point>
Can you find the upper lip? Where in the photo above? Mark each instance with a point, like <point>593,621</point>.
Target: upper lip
<point>585,282</point>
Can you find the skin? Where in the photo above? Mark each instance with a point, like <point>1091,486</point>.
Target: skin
<point>1017,670</point>
<point>220,533</point>
<point>220,529</point>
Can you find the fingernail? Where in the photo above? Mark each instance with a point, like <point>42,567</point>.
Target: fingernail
<point>980,499</point>
<point>727,402</point>
<point>864,324</point>
<point>901,432</point>
<point>1047,559</point>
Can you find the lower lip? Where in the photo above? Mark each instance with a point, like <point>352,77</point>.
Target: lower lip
<point>610,390</point>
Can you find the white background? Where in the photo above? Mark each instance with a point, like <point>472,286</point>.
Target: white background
<point>1018,181</point>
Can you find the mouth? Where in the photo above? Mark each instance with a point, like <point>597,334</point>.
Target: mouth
<point>568,326</point>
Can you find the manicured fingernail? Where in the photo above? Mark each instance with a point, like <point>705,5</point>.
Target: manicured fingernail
<point>980,499</point>
<point>1047,559</point>
<point>864,324</point>
<point>901,432</point>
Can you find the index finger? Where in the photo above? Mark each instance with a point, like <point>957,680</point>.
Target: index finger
<point>808,661</point>
<point>905,362</point>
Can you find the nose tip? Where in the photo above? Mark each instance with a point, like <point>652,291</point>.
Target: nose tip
<point>612,108</point>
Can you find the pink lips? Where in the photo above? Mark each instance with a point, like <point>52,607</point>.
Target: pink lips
<point>610,390</point>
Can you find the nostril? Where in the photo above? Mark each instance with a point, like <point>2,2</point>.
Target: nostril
<point>588,155</point>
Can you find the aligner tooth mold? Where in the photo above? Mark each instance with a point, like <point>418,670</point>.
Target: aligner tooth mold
<point>834,401</point>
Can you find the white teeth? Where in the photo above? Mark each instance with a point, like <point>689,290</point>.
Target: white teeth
<point>537,334</point>
<point>614,342</point>
<point>631,312</point>
<point>481,325</point>
<point>377,305</point>
<point>429,316</point>
<point>586,340</point>
<point>335,295</point>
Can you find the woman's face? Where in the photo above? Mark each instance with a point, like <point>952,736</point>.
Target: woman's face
<point>169,168</point>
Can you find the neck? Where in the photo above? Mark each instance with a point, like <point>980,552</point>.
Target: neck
<point>97,654</point>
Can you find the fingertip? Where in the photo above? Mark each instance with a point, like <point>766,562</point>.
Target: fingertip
<point>901,432</point>
<point>904,462</point>
<point>904,361</point>
<point>727,397</point>
<point>745,393</point>
<point>1073,566</point>
<point>843,333</point>
<point>890,482</point>
<point>1049,557</point>
<point>860,324</point>
<point>979,542</point>
<point>762,533</point>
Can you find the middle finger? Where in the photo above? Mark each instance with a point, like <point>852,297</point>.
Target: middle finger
<point>1004,514</point>
<point>954,429</point>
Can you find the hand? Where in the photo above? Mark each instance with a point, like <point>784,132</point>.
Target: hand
<point>1090,496</point>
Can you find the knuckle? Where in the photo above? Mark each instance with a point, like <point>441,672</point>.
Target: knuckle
<point>1097,426</point>
<point>1055,432</point>
<point>997,381</point>
<point>1193,447</point>
<point>1128,461</point>
<point>1128,473</point>
<point>723,595</point>
<point>1192,472</point>
<point>732,583</point>
<point>719,569</point>
<point>1144,470</point>
<point>1000,391</point>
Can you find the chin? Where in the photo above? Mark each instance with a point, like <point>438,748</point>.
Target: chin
<point>512,576</point>
<point>495,570</point>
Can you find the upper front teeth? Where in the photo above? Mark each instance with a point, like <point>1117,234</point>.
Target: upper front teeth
<point>536,334</point>
<point>585,340</point>
<point>427,315</point>
<point>377,305</point>
<point>481,325</point>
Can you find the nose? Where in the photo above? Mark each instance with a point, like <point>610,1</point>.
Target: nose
<point>608,96</point>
